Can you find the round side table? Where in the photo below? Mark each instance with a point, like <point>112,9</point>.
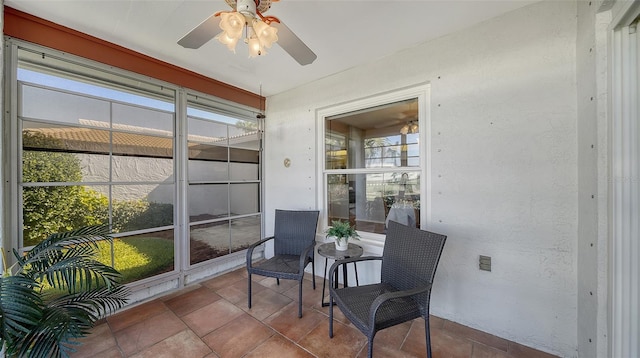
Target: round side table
<point>328,251</point>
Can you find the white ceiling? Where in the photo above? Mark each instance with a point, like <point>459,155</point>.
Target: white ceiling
<point>343,34</point>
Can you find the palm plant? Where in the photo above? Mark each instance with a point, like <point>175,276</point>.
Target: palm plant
<point>39,322</point>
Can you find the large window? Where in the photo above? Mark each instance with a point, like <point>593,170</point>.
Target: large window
<point>96,153</point>
<point>224,185</point>
<point>96,146</point>
<point>374,162</point>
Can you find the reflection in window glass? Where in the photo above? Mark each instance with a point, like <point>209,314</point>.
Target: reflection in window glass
<point>368,201</point>
<point>373,159</point>
<point>379,137</point>
<point>392,151</point>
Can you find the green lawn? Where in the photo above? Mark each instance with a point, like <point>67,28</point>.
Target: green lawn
<point>139,257</point>
<point>136,258</point>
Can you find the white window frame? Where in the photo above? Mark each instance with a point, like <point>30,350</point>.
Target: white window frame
<point>422,93</point>
<point>183,273</point>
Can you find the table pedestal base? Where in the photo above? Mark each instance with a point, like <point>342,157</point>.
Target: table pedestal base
<point>328,251</point>
<point>335,279</point>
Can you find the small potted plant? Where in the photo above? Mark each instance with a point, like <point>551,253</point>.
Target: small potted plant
<point>341,232</point>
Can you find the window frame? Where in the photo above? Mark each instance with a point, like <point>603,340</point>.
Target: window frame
<point>197,103</point>
<point>183,273</point>
<point>623,156</point>
<point>81,70</point>
<point>422,93</point>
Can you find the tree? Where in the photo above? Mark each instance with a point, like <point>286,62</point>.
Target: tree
<point>247,126</point>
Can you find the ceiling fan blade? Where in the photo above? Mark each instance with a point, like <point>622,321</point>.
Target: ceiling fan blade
<point>293,45</point>
<point>202,33</point>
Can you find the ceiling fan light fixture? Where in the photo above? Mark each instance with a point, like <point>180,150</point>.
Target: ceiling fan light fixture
<point>255,49</point>
<point>411,127</point>
<point>232,23</point>
<point>227,40</point>
<point>268,35</point>
<point>247,15</point>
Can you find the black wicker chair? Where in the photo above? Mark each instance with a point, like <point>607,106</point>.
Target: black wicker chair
<point>409,262</point>
<point>294,241</point>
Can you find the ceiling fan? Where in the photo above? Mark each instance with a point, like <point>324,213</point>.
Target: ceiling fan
<point>260,31</point>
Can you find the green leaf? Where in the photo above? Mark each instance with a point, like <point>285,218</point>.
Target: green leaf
<point>69,317</point>
<point>37,325</point>
<point>20,309</point>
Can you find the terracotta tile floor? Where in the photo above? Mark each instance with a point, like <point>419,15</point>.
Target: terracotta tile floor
<point>211,319</point>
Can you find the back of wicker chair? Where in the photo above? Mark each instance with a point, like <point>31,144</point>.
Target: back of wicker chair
<point>294,231</point>
<point>294,241</point>
<point>409,263</point>
<point>410,259</point>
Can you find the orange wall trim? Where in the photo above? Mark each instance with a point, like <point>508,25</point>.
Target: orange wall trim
<point>46,33</point>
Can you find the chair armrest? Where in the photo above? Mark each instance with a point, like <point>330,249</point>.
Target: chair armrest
<point>346,261</point>
<point>253,246</point>
<point>305,254</point>
<point>393,295</point>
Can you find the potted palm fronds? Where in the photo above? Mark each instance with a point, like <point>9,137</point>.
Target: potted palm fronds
<point>55,293</point>
<point>341,232</point>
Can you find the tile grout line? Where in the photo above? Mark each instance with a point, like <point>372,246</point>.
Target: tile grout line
<point>477,346</point>
<point>310,308</point>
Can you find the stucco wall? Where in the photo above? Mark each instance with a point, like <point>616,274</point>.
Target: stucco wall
<point>504,166</point>
<point>203,199</point>
<point>591,71</point>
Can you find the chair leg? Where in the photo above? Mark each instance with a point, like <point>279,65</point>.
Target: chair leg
<point>427,334</point>
<point>249,291</point>
<point>300,299</point>
<point>370,348</point>
<point>278,281</point>
<point>330,316</point>
<point>355,268</point>
<point>313,273</point>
